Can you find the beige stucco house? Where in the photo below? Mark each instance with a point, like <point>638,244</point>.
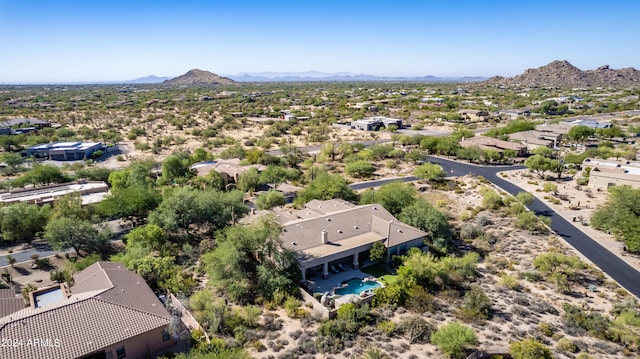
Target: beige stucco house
<point>109,313</point>
<point>606,173</point>
<point>335,233</point>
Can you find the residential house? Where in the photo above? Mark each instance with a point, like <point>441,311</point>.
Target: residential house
<point>376,123</point>
<point>473,115</point>
<point>607,173</point>
<point>332,232</point>
<point>511,114</point>
<point>485,143</point>
<point>109,313</point>
<point>534,139</point>
<point>558,129</point>
<point>230,169</point>
<point>65,151</point>
<point>90,192</point>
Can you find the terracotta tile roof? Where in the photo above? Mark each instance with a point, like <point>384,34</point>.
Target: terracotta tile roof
<point>9,303</point>
<point>82,327</point>
<point>108,305</point>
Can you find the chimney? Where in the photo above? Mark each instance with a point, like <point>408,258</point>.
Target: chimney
<point>324,235</point>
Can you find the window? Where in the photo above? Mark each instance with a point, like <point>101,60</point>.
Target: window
<point>121,353</point>
<point>109,355</point>
<point>165,336</point>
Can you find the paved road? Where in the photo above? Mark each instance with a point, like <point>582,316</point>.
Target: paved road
<point>42,250</point>
<point>377,183</point>
<point>609,263</point>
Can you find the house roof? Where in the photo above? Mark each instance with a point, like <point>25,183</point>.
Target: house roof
<point>230,167</point>
<point>9,303</point>
<point>108,305</point>
<point>489,142</point>
<point>532,137</point>
<point>347,226</point>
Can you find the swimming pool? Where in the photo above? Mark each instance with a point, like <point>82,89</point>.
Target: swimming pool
<point>357,286</point>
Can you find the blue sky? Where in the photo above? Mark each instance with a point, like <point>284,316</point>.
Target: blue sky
<point>63,40</point>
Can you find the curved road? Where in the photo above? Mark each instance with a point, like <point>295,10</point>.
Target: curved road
<point>609,263</point>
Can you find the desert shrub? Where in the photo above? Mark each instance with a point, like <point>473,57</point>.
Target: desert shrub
<point>387,327</point>
<point>482,220</point>
<point>510,281</point>
<point>291,305</point>
<point>491,199</point>
<point>470,231</point>
<point>549,187</point>
<point>44,263</point>
<point>582,181</point>
<point>579,320</point>
<point>545,329</point>
<point>529,349</point>
<point>419,300</point>
<point>360,169</point>
<point>415,329</point>
<point>475,305</point>
<point>530,276</point>
<point>454,339</point>
<point>567,345</point>
<point>530,222</point>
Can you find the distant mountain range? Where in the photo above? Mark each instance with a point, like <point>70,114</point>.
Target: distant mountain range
<point>208,78</point>
<point>315,76</point>
<point>148,80</point>
<point>562,74</point>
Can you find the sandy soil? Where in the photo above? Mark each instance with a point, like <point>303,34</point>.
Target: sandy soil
<point>516,314</point>
<point>581,203</point>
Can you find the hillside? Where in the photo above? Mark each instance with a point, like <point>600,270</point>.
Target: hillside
<point>199,77</point>
<point>563,74</point>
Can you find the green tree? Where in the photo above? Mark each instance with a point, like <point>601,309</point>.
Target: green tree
<point>454,339</point>
<point>13,161</point>
<point>249,180</point>
<point>250,262</point>
<point>176,169</point>
<point>270,199</point>
<point>393,196</point>
<point>135,201</point>
<point>274,176</point>
<point>378,252</point>
<point>580,133</point>
<point>543,151</point>
<point>425,217</point>
<point>360,169</point>
<point>429,172</point>
<point>72,232</point>
<point>620,215</point>
<point>194,213</point>
<point>529,349</point>
<point>43,175</point>
<point>22,221</point>
<point>323,187</point>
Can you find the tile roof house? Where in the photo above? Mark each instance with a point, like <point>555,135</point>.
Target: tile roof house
<point>325,233</point>
<point>534,139</point>
<point>230,169</point>
<point>486,143</point>
<point>110,313</point>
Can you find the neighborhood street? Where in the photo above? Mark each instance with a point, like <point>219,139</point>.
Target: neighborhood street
<point>609,263</point>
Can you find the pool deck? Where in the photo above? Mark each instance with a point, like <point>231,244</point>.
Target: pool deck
<point>335,280</point>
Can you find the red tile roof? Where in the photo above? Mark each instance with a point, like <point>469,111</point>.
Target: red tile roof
<point>109,304</point>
